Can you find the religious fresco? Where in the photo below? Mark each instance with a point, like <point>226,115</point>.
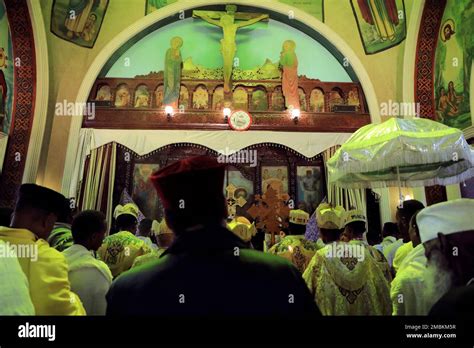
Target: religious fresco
<point>257,56</point>
<point>6,72</point>
<point>381,23</point>
<point>159,96</point>
<point>310,186</point>
<point>227,22</point>
<point>78,21</point>
<point>218,99</point>
<point>142,97</point>
<point>144,194</point>
<point>259,100</point>
<point>335,98</point>
<point>302,95</point>
<point>275,177</point>
<point>353,98</point>
<point>453,64</point>
<point>289,79</point>
<point>172,72</point>
<point>278,101</point>
<point>183,97</point>
<point>153,5</point>
<point>195,80</point>
<point>317,100</point>
<point>122,96</point>
<point>240,99</point>
<point>201,98</point>
<point>238,190</point>
<point>103,93</point>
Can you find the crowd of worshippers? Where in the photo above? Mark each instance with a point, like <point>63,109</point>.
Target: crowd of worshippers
<point>196,262</point>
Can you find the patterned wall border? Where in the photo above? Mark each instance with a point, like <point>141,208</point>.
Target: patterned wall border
<point>425,56</point>
<point>23,100</point>
<point>424,75</point>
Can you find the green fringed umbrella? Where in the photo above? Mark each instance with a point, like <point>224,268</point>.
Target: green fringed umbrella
<point>404,153</point>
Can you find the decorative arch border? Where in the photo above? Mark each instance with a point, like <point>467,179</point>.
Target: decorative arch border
<point>425,56</point>
<point>24,100</point>
<point>424,75</point>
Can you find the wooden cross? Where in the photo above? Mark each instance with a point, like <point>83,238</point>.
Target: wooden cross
<point>271,213</point>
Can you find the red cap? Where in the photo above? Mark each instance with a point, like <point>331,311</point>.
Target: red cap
<point>192,188</point>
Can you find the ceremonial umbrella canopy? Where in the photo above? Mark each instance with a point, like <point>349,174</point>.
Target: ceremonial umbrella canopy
<point>402,152</point>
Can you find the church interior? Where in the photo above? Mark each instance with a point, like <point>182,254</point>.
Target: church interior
<point>322,113</point>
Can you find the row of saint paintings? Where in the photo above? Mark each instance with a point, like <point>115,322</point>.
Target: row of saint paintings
<point>238,189</point>
<point>259,99</point>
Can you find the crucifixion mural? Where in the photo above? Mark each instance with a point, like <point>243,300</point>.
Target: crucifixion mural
<point>227,21</point>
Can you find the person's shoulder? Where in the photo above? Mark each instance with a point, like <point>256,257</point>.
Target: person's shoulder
<point>47,252</point>
<point>404,248</point>
<point>324,250</point>
<point>102,268</point>
<point>122,234</point>
<point>260,258</point>
<point>123,237</point>
<point>140,274</point>
<point>49,262</point>
<point>410,273</point>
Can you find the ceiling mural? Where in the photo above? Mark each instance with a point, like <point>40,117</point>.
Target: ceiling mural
<point>78,21</point>
<point>453,64</point>
<point>257,51</point>
<point>381,23</point>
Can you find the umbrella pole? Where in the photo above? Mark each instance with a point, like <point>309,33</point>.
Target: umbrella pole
<point>400,197</point>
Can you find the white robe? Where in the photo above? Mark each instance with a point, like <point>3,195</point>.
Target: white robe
<point>90,278</point>
<point>407,288</point>
<point>385,243</point>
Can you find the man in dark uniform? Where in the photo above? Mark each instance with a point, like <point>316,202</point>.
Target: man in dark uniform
<point>208,271</point>
<point>446,229</point>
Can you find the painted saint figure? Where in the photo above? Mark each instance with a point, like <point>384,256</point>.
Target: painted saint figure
<point>309,185</point>
<point>228,45</point>
<point>381,14</point>
<point>353,98</point>
<point>172,75</point>
<point>289,80</point>
<point>78,16</point>
<point>452,95</point>
<point>103,94</point>
<point>122,96</point>
<point>89,28</point>
<point>445,106</point>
